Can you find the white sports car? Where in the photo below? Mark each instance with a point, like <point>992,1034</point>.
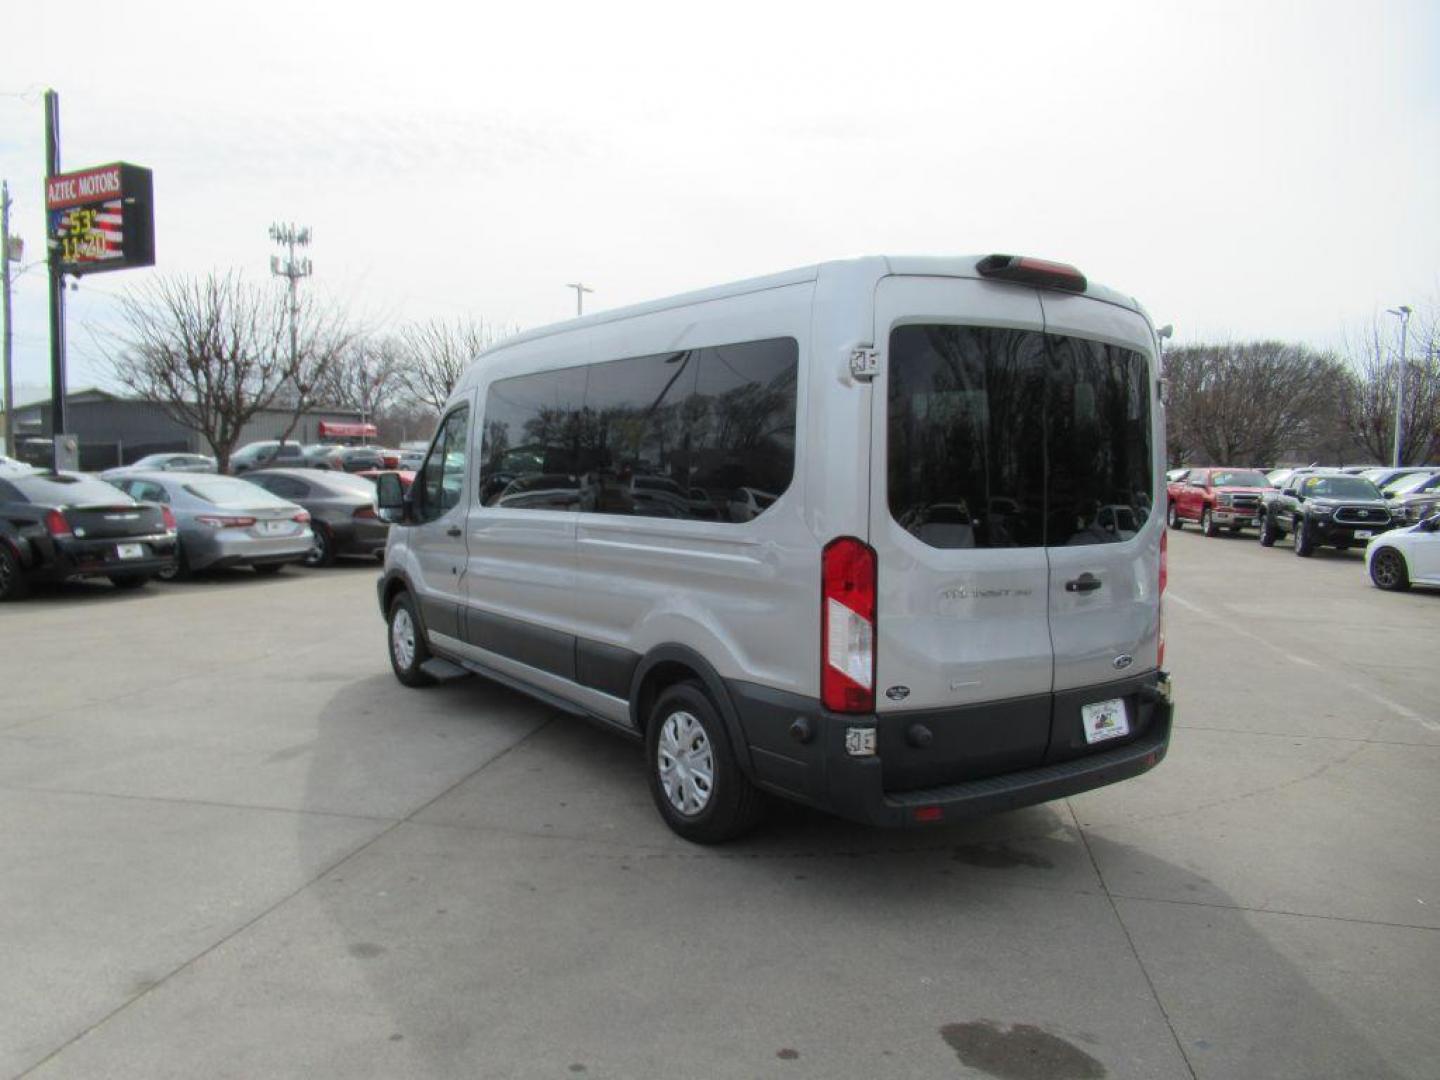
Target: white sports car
<point>1404,557</point>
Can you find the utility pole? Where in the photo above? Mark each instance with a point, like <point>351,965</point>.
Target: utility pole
<point>1403,313</point>
<point>10,247</point>
<point>580,291</point>
<point>290,237</point>
<point>57,289</point>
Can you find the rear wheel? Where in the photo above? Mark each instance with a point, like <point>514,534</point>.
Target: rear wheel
<point>12,575</point>
<point>694,778</point>
<point>181,569</point>
<point>1172,518</point>
<point>129,581</point>
<point>1388,570</point>
<point>408,650</point>
<point>322,551</point>
<point>1269,533</point>
<point>1304,539</point>
<point>1207,523</point>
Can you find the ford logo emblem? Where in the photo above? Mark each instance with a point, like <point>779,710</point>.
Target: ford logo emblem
<point>1121,662</point>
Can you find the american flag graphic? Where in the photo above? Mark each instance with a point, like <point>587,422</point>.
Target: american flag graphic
<point>96,232</point>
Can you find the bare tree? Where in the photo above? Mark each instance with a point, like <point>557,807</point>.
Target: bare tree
<point>1243,403</point>
<point>210,351</point>
<point>321,335</point>
<point>433,356</point>
<point>365,376</point>
<point>1367,406</point>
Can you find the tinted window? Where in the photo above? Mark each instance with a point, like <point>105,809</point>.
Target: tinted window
<point>533,425</point>
<point>66,490</point>
<point>966,461</point>
<point>442,480</point>
<point>287,487</point>
<point>1011,438</point>
<point>8,492</point>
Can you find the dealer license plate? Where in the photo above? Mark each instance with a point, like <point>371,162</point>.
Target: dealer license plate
<point>1363,534</point>
<point>1104,720</point>
<point>130,551</point>
<point>269,528</point>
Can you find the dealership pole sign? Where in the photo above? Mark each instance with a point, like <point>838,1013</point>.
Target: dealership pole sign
<point>100,219</point>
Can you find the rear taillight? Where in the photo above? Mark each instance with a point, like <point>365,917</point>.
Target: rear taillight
<point>57,526</point>
<point>218,521</point>
<point>302,517</point>
<point>168,516</point>
<point>365,513</point>
<point>847,626</point>
<point>1028,271</point>
<point>1160,601</point>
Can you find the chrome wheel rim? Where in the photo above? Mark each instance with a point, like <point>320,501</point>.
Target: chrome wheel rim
<point>686,763</point>
<point>402,638</point>
<point>317,549</point>
<point>1171,515</point>
<point>1386,571</point>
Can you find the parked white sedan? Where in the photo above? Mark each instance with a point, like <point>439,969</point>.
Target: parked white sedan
<point>1404,557</point>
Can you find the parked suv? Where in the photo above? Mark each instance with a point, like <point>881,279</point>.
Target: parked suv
<point>1325,509</point>
<point>1216,499</point>
<point>937,588</point>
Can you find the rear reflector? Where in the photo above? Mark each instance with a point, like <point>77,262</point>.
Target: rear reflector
<point>1028,271</point>
<point>847,626</point>
<point>929,813</point>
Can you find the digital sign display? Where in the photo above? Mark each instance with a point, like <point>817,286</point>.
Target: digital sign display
<point>100,219</point>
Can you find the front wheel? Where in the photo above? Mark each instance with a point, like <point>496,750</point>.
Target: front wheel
<point>1388,571</point>
<point>1304,539</point>
<point>694,778</point>
<point>1172,518</point>
<point>408,650</point>
<point>1268,532</point>
<point>1207,523</point>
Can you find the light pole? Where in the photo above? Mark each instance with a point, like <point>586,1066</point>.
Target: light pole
<point>1403,314</point>
<point>11,247</point>
<point>580,291</point>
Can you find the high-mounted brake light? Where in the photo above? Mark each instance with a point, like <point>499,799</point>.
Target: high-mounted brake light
<point>847,626</point>
<point>57,526</point>
<point>1027,271</point>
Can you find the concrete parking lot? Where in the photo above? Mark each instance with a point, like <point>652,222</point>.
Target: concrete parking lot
<point>231,845</point>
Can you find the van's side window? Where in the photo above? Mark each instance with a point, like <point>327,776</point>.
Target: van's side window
<point>442,478</point>
<point>1012,438</point>
<point>706,434</point>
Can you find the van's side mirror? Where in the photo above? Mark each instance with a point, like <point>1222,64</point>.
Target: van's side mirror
<point>390,496</point>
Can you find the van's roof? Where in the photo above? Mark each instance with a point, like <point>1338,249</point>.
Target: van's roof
<point>866,266</point>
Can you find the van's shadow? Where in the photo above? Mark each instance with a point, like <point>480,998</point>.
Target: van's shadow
<point>539,869</point>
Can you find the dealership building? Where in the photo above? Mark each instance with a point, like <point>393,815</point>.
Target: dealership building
<point>115,430</point>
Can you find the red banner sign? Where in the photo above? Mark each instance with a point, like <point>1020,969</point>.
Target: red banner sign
<point>79,188</point>
<point>334,429</point>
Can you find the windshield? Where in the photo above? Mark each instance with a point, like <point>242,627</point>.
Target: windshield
<point>1237,478</point>
<point>66,489</point>
<point>226,491</point>
<point>1339,487</point>
<point>1408,484</point>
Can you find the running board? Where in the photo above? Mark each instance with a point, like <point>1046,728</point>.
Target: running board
<point>443,670</point>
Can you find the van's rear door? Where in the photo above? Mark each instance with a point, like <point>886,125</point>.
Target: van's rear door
<point>957,495</point>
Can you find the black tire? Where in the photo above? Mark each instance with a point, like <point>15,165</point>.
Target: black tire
<point>1172,518</point>
<point>129,581</point>
<point>407,668</point>
<point>1388,570</point>
<point>323,553</point>
<point>12,575</point>
<point>1304,538</point>
<point>1207,524</point>
<point>182,567</point>
<point>268,569</point>
<point>684,718</point>
<point>1268,532</point>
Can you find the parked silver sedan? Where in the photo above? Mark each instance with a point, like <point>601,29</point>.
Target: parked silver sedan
<point>224,521</point>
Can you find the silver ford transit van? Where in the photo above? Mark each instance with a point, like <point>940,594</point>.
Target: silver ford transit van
<point>883,536</point>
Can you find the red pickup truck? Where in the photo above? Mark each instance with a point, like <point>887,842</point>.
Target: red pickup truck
<point>1216,499</point>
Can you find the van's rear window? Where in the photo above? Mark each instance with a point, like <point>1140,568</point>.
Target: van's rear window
<point>1015,438</point>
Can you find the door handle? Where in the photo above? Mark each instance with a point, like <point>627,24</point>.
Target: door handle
<point>454,530</point>
<point>1086,582</point>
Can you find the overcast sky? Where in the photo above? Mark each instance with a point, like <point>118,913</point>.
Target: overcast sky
<point>1245,170</point>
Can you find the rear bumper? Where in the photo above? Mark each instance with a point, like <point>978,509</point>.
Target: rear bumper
<point>821,770</point>
<point>71,558</point>
<point>211,551</point>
